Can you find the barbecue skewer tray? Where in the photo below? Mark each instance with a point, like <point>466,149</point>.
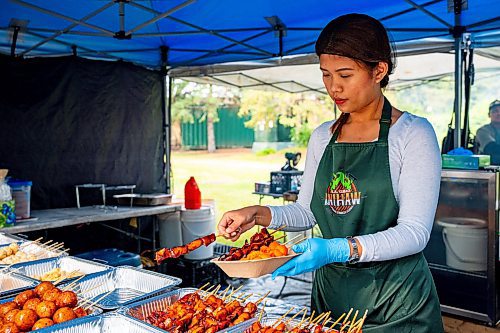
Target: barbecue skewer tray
<point>127,284</point>
<point>37,268</point>
<point>111,322</point>
<point>141,310</point>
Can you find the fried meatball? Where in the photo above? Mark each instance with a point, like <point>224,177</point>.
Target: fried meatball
<point>9,317</point>
<point>46,309</point>
<point>80,312</point>
<point>6,307</point>
<point>23,297</point>
<point>41,323</point>
<point>51,295</point>
<point>9,328</point>
<point>67,298</point>
<point>25,319</point>
<point>63,314</point>
<point>43,287</point>
<point>31,303</point>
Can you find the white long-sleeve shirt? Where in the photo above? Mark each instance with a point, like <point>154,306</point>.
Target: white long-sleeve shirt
<point>415,167</point>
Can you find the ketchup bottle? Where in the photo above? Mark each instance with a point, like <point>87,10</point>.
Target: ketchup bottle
<point>192,195</point>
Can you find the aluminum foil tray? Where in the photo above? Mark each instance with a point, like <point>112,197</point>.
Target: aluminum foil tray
<point>40,252</point>
<point>34,269</point>
<point>141,310</point>
<point>6,239</point>
<point>11,283</point>
<point>271,320</point>
<point>108,323</point>
<point>126,284</point>
<point>93,310</point>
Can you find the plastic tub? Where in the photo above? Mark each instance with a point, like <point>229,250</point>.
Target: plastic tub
<point>465,241</point>
<point>197,223</point>
<point>21,193</point>
<point>170,229</point>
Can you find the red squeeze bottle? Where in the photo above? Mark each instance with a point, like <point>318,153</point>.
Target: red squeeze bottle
<point>192,195</point>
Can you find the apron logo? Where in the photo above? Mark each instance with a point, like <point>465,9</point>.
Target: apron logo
<point>342,194</point>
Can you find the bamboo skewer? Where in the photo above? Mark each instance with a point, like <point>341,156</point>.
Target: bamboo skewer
<point>299,325</point>
<point>344,325</point>
<point>223,296</point>
<point>90,289</point>
<point>290,240</point>
<point>276,323</point>
<point>298,241</point>
<point>98,300</point>
<point>73,283</point>
<point>337,321</point>
<point>295,315</point>
<point>203,286</point>
<point>353,321</point>
<point>348,314</point>
<point>246,298</point>
<point>276,230</point>
<point>233,292</point>
<point>310,318</point>
<point>261,312</point>
<point>262,298</point>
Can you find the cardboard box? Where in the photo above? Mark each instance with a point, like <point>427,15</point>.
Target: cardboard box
<point>472,162</point>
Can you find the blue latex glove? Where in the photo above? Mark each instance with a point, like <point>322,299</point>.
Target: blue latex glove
<point>460,151</point>
<point>316,252</point>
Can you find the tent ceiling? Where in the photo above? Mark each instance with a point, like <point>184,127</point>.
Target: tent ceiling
<point>206,32</point>
<point>301,73</point>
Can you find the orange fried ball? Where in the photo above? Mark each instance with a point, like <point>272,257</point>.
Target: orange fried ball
<point>63,314</point>
<point>31,303</point>
<point>46,309</point>
<point>6,307</point>
<point>9,328</point>
<point>25,319</point>
<point>9,317</point>
<point>67,298</point>
<point>80,312</point>
<point>43,287</point>
<point>51,295</point>
<point>41,323</point>
<point>23,297</point>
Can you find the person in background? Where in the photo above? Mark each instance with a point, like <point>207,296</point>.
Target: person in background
<point>371,183</point>
<point>488,136</point>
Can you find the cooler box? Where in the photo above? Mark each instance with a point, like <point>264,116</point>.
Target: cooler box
<point>112,257</point>
<point>21,194</point>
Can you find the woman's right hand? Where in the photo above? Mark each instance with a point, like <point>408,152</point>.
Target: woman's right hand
<point>235,222</point>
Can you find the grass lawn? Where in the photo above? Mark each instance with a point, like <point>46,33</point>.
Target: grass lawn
<point>227,176</point>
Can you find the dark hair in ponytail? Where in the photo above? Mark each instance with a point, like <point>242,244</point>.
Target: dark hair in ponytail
<point>359,37</point>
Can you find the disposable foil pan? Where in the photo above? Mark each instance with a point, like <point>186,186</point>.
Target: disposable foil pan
<point>271,320</point>
<point>35,249</point>
<point>141,310</point>
<point>6,239</point>
<point>37,268</point>
<point>109,323</point>
<point>125,284</point>
<point>11,283</point>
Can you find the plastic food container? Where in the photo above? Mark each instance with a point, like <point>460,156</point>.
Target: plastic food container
<point>35,269</point>
<point>126,285</point>
<point>12,283</point>
<point>21,193</point>
<point>141,310</point>
<point>110,323</point>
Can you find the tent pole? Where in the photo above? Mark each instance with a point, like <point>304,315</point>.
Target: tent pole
<point>458,31</point>
<point>166,105</point>
<point>14,41</point>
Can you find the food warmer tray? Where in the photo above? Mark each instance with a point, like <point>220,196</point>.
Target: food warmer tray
<point>126,284</point>
<point>67,264</point>
<point>141,310</point>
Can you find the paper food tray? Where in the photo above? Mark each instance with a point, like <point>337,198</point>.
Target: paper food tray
<point>111,322</point>
<point>271,320</point>
<point>252,268</point>
<point>67,264</point>
<point>141,310</point>
<point>12,283</point>
<point>127,284</point>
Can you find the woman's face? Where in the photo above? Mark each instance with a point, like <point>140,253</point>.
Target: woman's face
<point>351,85</point>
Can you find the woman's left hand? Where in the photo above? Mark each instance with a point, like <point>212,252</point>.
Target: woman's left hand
<point>316,252</point>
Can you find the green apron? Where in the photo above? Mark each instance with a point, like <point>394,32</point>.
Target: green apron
<point>353,196</point>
